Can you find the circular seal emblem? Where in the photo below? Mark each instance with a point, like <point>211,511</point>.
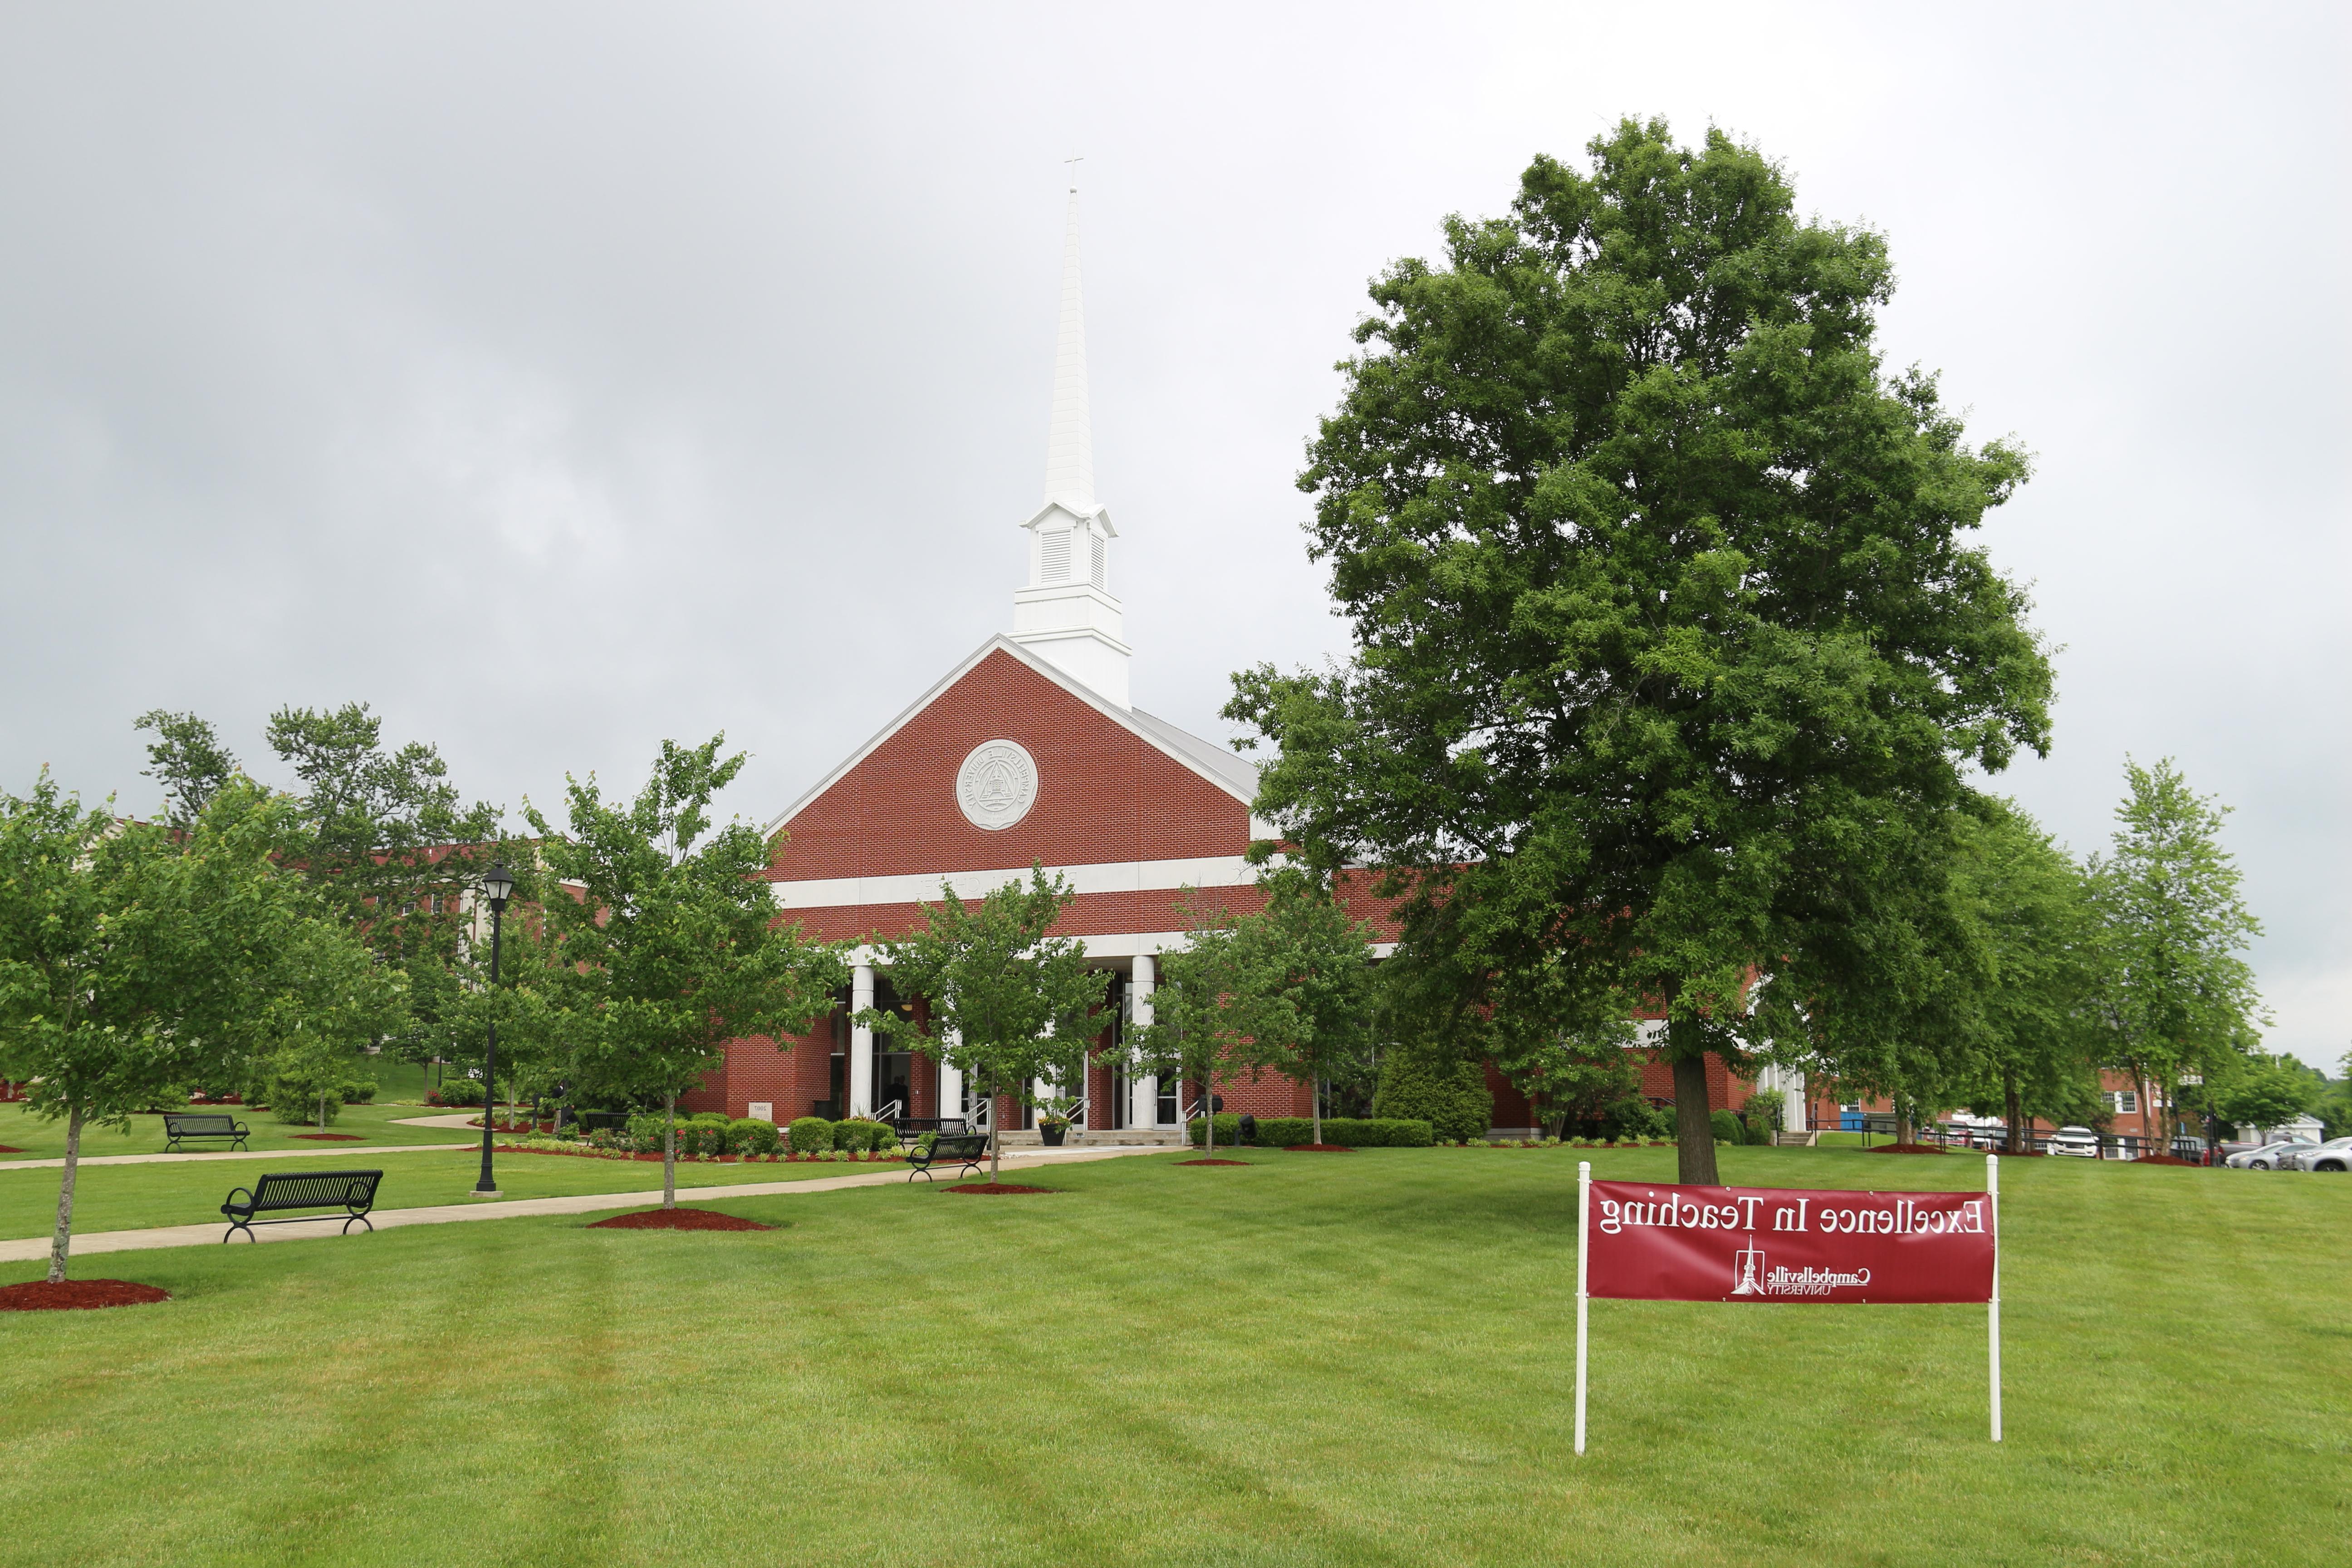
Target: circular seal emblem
<point>997,784</point>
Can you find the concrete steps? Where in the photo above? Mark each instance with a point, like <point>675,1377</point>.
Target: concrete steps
<point>1129,1138</point>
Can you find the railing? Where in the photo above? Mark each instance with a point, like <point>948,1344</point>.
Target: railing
<point>2103,1145</point>
<point>890,1112</point>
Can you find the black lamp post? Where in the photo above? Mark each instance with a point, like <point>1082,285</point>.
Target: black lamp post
<point>498,885</point>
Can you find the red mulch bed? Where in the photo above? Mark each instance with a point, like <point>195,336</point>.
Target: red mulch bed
<point>1317,1148</point>
<point>1906,1149</point>
<point>677,1219</point>
<point>6,1150</point>
<point>332,1137</point>
<point>1216,1161</point>
<point>1005,1187</point>
<point>41,1296</point>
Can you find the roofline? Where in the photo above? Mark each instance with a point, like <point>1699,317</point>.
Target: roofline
<point>970,661</point>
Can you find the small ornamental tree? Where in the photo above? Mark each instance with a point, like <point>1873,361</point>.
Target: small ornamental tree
<point>1671,642</point>
<point>2174,997</point>
<point>671,947</point>
<point>1200,1012</point>
<point>1009,1003</point>
<point>136,959</point>
<point>1303,984</point>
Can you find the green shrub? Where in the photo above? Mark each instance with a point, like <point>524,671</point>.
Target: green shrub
<point>1727,1127</point>
<point>751,1137</point>
<point>1282,1132</point>
<point>1450,1096</point>
<point>1229,1130</point>
<point>360,1091</point>
<point>811,1135</point>
<point>1378,1133</point>
<point>459,1091</point>
<point>1636,1118</point>
<point>857,1135</point>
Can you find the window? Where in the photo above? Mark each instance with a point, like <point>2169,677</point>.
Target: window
<point>2123,1101</point>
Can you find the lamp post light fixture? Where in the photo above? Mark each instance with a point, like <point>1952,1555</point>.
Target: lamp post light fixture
<point>498,886</point>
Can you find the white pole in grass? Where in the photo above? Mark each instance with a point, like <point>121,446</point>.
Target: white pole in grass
<point>1583,1249</point>
<point>1993,1192</point>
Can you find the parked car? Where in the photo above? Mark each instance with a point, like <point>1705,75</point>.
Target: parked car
<point>2336,1154</point>
<point>2266,1156</point>
<point>2080,1142</point>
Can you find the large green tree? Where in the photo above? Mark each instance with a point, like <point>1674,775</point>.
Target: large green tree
<point>1009,1003</point>
<point>2027,1009</point>
<point>136,959</point>
<point>662,940</point>
<point>1201,1017</point>
<point>1670,647</point>
<point>2174,997</point>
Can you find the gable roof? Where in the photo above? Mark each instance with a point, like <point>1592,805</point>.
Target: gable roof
<point>1236,776</point>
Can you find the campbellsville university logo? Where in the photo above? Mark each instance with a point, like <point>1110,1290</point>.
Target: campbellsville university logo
<point>997,784</point>
<point>1750,1244</point>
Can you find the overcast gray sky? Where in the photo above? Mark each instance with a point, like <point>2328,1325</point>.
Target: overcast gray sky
<point>560,378</point>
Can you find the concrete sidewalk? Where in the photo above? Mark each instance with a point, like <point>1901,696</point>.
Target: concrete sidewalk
<point>323,1151</point>
<point>32,1249</point>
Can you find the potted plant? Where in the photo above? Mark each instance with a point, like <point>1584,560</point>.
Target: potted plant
<point>1054,1118</point>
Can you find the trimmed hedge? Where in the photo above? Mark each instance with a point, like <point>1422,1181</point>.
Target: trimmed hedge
<point>1727,1127</point>
<point>747,1136</point>
<point>857,1135</point>
<point>1348,1132</point>
<point>811,1135</point>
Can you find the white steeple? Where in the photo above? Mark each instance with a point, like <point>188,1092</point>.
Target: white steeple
<point>1067,613</point>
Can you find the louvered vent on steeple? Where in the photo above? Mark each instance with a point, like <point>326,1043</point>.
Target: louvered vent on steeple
<point>1057,566</point>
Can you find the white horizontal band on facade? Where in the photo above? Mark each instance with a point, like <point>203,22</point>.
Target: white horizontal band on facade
<point>1120,944</point>
<point>1110,877</point>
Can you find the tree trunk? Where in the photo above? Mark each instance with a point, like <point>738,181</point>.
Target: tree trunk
<point>669,1152</point>
<point>994,1119</point>
<point>1693,1133</point>
<point>1208,1117</point>
<point>322,1113</point>
<point>62,1243</point>
<point>1315,1104</point>
<point>2012,1108</point>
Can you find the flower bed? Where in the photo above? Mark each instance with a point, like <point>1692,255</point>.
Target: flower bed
<point>1906,1149</point>
<point>990,1187</point>
<point>6,1150</point>
<point>1216,1161</point>
<point>73,1295</point>
<point>677,1219</point>
<point>589,1151</point>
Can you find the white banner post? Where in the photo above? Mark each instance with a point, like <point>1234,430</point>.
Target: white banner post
<point>1584,1251</point>
<point>1992,1193</point>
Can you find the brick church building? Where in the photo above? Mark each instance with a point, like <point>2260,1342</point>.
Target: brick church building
<point>1027,752</point>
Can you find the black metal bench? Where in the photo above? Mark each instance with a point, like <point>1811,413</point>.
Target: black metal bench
<point>964,1151</point>
<point>179,1124</point>
<point>354,1192</point>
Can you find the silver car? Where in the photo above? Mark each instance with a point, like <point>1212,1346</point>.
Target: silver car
<point>2336,1154</point>
<point>2269,1157</point>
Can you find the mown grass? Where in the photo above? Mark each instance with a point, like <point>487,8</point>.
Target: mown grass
<point>132,1197</point>
<point>35,1138</point>
<point>1364,1359</point>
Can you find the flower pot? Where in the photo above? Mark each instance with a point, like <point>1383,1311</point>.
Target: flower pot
<point>1051,1134</point>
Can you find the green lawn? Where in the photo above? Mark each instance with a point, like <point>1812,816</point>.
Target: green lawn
<point>36,1139</point>
<point>1364,1359</point>
<point>129,1197</point>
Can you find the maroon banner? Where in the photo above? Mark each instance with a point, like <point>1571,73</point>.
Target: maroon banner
<point>1778,1244</point>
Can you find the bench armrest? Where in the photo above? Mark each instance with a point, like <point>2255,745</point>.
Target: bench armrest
<point>233,1206</point>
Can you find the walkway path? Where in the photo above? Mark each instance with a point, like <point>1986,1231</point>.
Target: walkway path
<point>323,1151</point>
<point>34,1248</point>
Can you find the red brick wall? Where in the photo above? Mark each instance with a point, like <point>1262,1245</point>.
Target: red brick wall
<point>1103,793</point>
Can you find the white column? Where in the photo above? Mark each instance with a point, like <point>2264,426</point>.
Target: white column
<point>1143,1090</point>
<point>950,1080</point>
<point>861,1042</point>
